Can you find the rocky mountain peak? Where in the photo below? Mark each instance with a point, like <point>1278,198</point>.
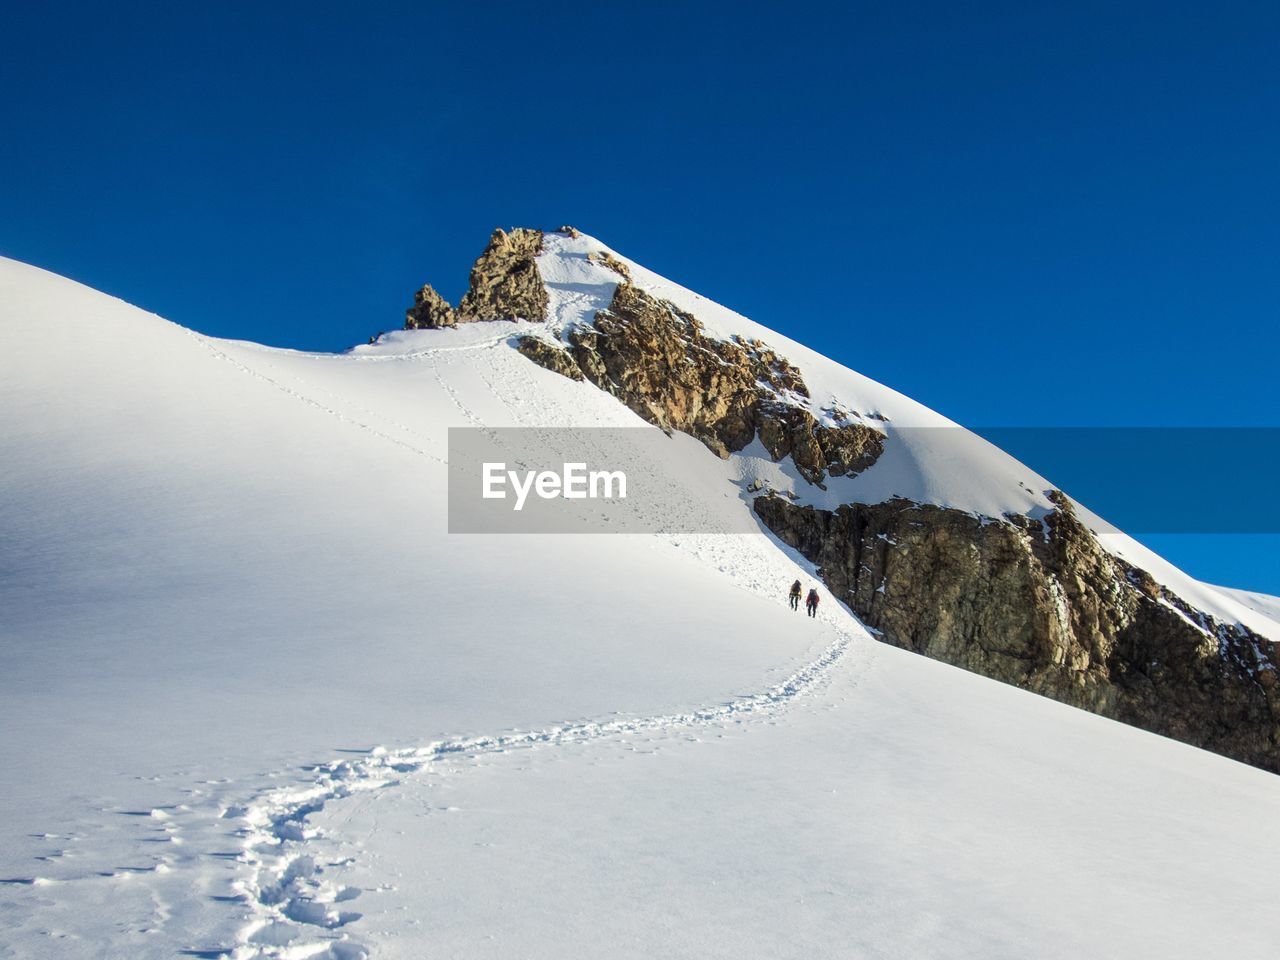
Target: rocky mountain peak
<point>505,285</point>
<point>429,311</point>
<point>1036,602</point>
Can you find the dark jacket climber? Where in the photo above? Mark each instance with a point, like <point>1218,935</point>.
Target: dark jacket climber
<point>795,595</point>
<point>811,602</point>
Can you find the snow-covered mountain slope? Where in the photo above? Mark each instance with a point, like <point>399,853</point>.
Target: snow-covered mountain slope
<point>932,536</point>
<point>928,458</point>
<point>223,560</point>
<point>226,580</point>
<point>1262,603</point>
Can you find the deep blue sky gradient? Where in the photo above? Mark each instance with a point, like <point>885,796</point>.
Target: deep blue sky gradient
<point>1019,213</point>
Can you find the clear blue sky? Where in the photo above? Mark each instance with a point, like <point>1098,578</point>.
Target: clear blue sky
<point>1018,213</point>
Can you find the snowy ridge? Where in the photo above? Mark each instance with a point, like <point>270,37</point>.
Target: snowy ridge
<point>928,459</point>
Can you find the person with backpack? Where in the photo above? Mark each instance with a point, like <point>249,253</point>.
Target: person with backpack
<point>811,602</point>
<point>795,595</point>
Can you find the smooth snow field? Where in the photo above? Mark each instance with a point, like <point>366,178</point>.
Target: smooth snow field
<point>257,702</point>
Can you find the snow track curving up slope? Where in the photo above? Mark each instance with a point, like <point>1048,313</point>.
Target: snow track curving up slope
<point>290,887</point>
<point>228,560</point>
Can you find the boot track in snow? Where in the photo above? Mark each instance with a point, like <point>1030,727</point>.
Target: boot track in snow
<point>286,886</point>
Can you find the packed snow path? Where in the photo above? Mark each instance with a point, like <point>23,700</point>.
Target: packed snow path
<point>292,890</point>
<point>274,877</point>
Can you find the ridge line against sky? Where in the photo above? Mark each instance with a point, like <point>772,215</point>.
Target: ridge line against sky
<point>1018,214</point>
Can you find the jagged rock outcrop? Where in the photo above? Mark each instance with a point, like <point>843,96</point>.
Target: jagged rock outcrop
<point>505,285</point>
<point>1042,605</point>
<point>613,263</point>
<point>844,450</point>
<point>654,358</point>
<point>429,311</point>
<point>657,360</point>
<point>547,355</point>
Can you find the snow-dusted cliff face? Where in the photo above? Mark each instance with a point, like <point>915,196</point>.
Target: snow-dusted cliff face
<point>929,459</point>
<point>257,702</point>
<point>931,535</point>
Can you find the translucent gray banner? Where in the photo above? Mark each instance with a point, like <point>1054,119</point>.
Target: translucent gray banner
<point>590,480</point>
<point>1159,479</point>
<point>1141,480</point>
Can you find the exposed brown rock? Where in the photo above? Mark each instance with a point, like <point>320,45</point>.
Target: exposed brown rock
<point>429,311</point>
<point>840,451</point>
<point>612,262</point>
<point>505,283</point>
<point>1043,606</point>
<point>656,359</point>
<point>550,356</point>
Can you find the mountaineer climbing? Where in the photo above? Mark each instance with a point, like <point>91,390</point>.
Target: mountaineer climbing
<point>795,595</point>
<point>811,602</point>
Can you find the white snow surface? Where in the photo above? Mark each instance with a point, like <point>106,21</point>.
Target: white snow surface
<point>1263,603</point>
<point>258,703</point>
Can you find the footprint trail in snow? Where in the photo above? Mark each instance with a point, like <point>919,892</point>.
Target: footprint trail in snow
<point>298,911</point>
